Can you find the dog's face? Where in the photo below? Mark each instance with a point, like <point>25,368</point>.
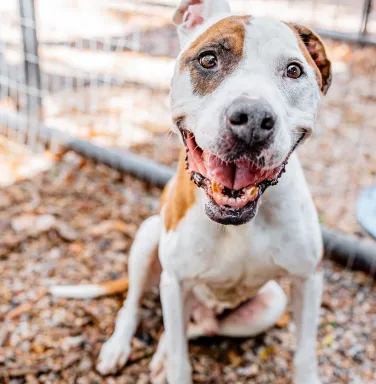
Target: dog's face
<point>245,93</point>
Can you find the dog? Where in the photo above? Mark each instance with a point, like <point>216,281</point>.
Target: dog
<point>244,95</point>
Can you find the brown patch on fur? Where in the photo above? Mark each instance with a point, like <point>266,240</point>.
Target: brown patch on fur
<point>178,195</point>
<point>226,40</point>
<point>115,286</point>
<point>314,51</point>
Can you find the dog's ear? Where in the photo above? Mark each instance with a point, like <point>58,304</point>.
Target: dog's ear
<point>192,13</point>
<point>312,45</point>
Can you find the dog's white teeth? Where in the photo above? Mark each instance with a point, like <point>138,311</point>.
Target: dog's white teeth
<point>252,192</point>
<point>248,194</point>
<point>220,197</point>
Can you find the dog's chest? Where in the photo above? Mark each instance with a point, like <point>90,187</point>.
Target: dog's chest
<point>225,267</point>
<point>236,270</point>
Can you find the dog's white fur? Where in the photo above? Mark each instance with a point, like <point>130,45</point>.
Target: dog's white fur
<point>284,238</point>
<point>208,267</point>
<point>268,46</point>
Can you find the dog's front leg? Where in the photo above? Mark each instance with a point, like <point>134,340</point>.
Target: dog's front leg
<point>175,318</point>
<point>306,301</point>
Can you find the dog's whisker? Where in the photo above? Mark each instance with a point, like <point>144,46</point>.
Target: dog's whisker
<point>168,135</point>
<point>196,148</point>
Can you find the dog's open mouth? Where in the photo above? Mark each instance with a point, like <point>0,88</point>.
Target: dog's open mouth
<point>233,188</point>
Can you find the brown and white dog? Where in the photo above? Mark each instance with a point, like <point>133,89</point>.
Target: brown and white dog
<point>244,95</point>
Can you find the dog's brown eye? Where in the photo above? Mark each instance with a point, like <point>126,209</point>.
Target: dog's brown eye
<point>208,60</point>
<point>294,71</point>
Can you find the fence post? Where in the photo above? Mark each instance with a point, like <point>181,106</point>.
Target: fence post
<point>367,7</point>
<point>31,58</point>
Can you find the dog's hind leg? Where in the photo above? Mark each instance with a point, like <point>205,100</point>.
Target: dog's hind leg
<point>142,262</point>
<point>249,319</point>
<point>257,314</point>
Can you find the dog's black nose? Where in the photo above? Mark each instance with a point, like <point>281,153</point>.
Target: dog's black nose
<point>252,121</point>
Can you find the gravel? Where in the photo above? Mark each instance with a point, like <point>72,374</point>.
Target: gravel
<point>78,228</point>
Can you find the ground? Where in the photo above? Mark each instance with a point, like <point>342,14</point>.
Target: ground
<point>74,224</point>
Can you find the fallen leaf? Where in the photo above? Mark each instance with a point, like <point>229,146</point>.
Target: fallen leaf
<point>5,200</point>
<point>66,232</point>
<point>284,320</point>
<point>120,226</point>
<point>234,359</point>
<point>327,340</point>
<point>31,223</point>
<point>249,371</point>
<point>102,228</point>
<point>38,348</point>
<point>266,352</point>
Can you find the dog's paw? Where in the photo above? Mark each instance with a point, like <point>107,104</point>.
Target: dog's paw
<point>303,379</point>
<point>157,368</point>
<point>113,356</point>
<point>158,377</point>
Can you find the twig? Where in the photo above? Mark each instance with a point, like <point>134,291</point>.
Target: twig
<point>26,307</point>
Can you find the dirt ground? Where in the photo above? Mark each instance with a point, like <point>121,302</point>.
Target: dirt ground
<point>74,224</point>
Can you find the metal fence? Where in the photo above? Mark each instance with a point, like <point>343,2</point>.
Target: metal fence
<point>73,64</point>
<point>93,76</point>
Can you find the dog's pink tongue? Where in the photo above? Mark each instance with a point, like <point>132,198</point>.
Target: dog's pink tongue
<point>237,175</point>
<point>246,174</point>
<point>219,170</point>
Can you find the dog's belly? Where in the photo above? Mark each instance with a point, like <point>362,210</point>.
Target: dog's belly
<point>220,298</point>
<point>221,294</point>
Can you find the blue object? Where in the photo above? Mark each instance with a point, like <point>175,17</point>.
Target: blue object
<point>366,210</point>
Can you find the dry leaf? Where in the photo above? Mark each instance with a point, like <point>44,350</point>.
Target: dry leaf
<point>31,223</point>
<point>234,359</point>
<point>66,232</point>
<point>284,320</point>
<point>327,340</point>
<point>266,352</point>
<point>38,348</point>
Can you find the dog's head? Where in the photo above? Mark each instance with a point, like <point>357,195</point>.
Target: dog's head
<point>244,95</point>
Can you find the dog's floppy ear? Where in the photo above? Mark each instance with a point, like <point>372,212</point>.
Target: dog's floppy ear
<point>314,47</point>
<point>192,13</point>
